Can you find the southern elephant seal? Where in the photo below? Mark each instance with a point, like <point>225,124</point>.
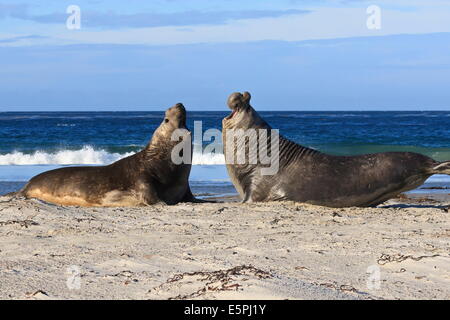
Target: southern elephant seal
<point>308,176</point>
<point>147,177</point>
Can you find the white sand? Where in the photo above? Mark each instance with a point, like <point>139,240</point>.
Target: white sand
<point>295,251</point>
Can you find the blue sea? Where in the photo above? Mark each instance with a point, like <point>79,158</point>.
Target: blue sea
<point>33,142</point>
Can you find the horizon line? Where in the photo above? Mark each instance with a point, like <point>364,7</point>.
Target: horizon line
<point>444,109</point>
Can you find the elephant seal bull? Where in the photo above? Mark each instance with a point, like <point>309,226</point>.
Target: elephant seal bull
<point>147,177</point>
<point>308,176</point>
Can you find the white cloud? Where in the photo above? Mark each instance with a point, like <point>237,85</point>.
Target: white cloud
<point>322,23</point>
<point>325,23</point>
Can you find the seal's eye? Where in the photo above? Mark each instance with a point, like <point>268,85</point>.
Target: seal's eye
<point>166,120</point>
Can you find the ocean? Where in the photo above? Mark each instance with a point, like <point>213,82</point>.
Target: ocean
<point>33,142</point>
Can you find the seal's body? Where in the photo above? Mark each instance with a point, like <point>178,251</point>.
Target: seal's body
<point>147,177</point>
<point>309,176</point>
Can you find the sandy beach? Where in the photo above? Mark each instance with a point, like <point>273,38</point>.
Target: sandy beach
<point>225,250</point>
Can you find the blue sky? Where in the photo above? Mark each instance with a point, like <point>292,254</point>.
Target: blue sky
<point>291,54</point>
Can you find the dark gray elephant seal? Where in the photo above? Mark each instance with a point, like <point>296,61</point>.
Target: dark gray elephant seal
<point>145,178</point>
<point>308,176</point>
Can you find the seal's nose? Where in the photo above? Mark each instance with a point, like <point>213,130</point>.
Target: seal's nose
<point>178,113</point>
<point>180,108</point>
<point>234,100</point>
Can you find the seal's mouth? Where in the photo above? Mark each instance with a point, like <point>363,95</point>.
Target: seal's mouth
<point>238,102</point>
<point>176,116</point>
<point>180,109</point>
<point>233,112</point>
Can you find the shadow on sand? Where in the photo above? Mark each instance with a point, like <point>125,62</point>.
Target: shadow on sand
<point>417,206</point>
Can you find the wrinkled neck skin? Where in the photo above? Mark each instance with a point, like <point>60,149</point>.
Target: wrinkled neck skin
<point>241,175</point>
<point>160,141</point>
<point>247,177</point>
<point>159,150</point>
<point>250,119</point>
<point>245,119</point>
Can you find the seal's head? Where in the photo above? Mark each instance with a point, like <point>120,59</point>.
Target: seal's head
<point>242,115</point>
<point>174,118</point>
<point>238,102</point>
<point>173,123</point>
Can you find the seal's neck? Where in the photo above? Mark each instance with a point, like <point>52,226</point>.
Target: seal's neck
<point>159,147</point>
<point>247,119</point>
<point>163,143</point>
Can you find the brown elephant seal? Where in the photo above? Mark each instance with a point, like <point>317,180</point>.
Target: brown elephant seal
<point>308,176</point>
<point>147,177</point>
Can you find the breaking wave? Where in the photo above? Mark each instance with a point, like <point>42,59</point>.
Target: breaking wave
<point>87,156</point>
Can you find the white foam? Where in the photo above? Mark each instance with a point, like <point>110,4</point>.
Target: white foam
<point>89,156</point>
<point>86,155</point>
<point>208,159</point>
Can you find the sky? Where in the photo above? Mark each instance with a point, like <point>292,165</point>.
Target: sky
<point>290,54</point>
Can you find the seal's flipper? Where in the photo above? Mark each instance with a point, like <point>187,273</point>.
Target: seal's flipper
<point>189,197</point>
<point>442,168</point>
<point>11,194</point>
<point>10,197</point>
